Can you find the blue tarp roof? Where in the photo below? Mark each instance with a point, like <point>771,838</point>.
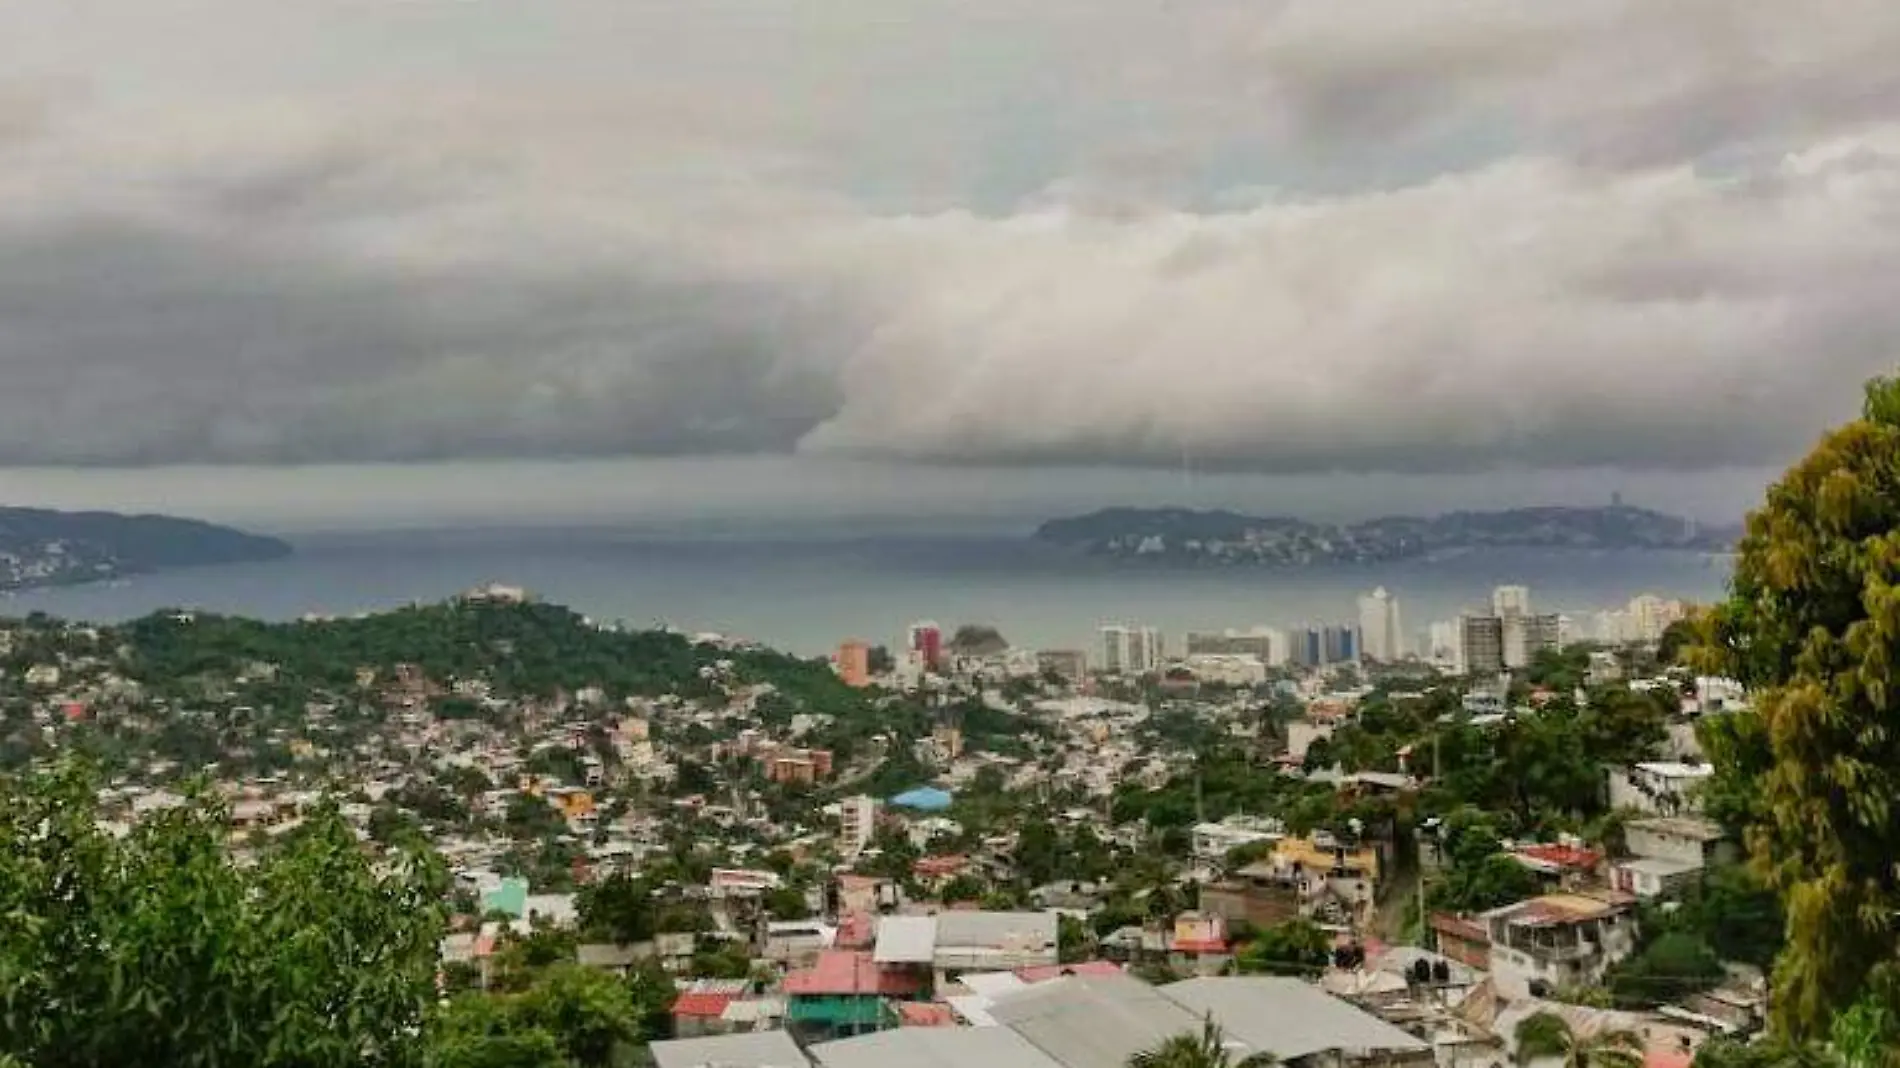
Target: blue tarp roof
<point>928,798</point>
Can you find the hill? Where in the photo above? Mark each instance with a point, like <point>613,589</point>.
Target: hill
<point>41,547</point>
<point>1230,537</point>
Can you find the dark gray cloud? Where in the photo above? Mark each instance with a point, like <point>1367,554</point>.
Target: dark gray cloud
<point>128,344</point>
<point>1448,236</point>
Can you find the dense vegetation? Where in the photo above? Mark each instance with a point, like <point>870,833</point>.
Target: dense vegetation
<point>157,948</point>
<point>1812,625</point>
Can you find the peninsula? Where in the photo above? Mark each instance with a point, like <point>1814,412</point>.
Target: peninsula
<point>42,547</point>
<point>1186,535</point>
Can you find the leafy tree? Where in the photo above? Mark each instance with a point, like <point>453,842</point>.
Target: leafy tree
<point>1038,852</point>
<point>102,938</point>
<point>1074,941</point>
<point>479,1031</point>
<point>1740,918</point>
<point>1670,967</point>
<point>570,1017</point>
<point>1623,726</point>
<point>1739,1053</point>
<point>618,908</point>
<point>1676,638</point>
<point>590,1013</point>
<point>787,903</point>
<point>1810,626</point>
<point>963,887</point>
<point>1493,882</point>
<point>1209,1049</point>
<point>1295,947</point>
<point>1543,1035</point>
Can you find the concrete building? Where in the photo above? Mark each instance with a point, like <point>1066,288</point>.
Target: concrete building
<point>925,638</point>
<point>1342,643</point>
<point>1227,669</point>
<point>1660,787</point>
<point>854,664</point>
<point>1669,852</point>
<point>1442,643</point>
<point>1558,941</point>
<point>1131,650</point>
<point>858,815</point>
<point>1511,601</point>
<point>1266,644</point>
<point>1524,636</point>
<point>1307,647</point>
<point>1379,626</point>
<point>1213,841</point>
<point>1480,645</point>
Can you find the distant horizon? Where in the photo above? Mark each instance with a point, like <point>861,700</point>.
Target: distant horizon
<point>703,493</point>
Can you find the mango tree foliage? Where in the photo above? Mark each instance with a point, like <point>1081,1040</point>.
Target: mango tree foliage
<point>156,948</point>
<point>1812,625</point>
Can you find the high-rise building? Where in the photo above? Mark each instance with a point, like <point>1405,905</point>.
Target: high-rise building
<point>859,817</point>
<point>1442,643</point>
<point>1511,601</point>
<point>1115,650</point>
<point>1132,650</point>
<point>1650,615</point>
<point>1480,645</point>
<point>1341,643</point>
<point>1379,628</point>
<point>854,663</point>
<point>926,640</point>
<point>1524,636</point>
<point>1307,646</point>
<point>1147,651</point>
<point>1265,644</point>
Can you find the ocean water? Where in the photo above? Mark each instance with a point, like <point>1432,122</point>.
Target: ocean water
<point>806,593</point>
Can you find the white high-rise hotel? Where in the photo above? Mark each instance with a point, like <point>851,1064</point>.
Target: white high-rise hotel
<point>1131,650</point>
<point>1379,632</point>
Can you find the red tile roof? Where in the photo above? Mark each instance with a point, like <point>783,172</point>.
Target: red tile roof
<point>925,1014</point>
<point>709,997</point>
<point>857,930</point>
<point>1561,856</point>
<point>704,1005</point>
<point>1459,928</point>
<point>929,867</point>
<point>1044,972</point>
<point>843,972</point>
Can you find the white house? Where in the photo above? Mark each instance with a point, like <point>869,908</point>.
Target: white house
<point>1558,941</point>
<point>1667,853</point>
<point>1663,787</point>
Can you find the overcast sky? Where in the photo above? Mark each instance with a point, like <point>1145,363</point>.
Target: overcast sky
<point>346,258</point>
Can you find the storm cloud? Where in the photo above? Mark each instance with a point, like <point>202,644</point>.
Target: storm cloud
<point>1290,237</point>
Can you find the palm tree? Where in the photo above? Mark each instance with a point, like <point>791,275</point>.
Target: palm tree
<point>1545,1034</point>
<point>1205,1050</point>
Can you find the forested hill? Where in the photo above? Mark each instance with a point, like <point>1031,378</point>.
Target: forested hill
<point>525,649</point>
<point>1230,537</point>
<point>41,547</point>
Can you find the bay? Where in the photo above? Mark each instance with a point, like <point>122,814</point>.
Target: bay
<point>806,593</point>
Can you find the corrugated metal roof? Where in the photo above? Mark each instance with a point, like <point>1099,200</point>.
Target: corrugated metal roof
<point>905,940</point>
<point>998,930</point>
<point>1287,1017</point>
<point>1093,1021</point>
<point>974,1008</point>
<point>757,1049</point>
<point>934,1047</point>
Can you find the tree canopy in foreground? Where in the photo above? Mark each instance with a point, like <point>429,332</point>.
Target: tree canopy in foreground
<point>1812,625</point>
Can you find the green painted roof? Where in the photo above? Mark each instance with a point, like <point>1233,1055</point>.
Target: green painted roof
<point>510,897</point>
